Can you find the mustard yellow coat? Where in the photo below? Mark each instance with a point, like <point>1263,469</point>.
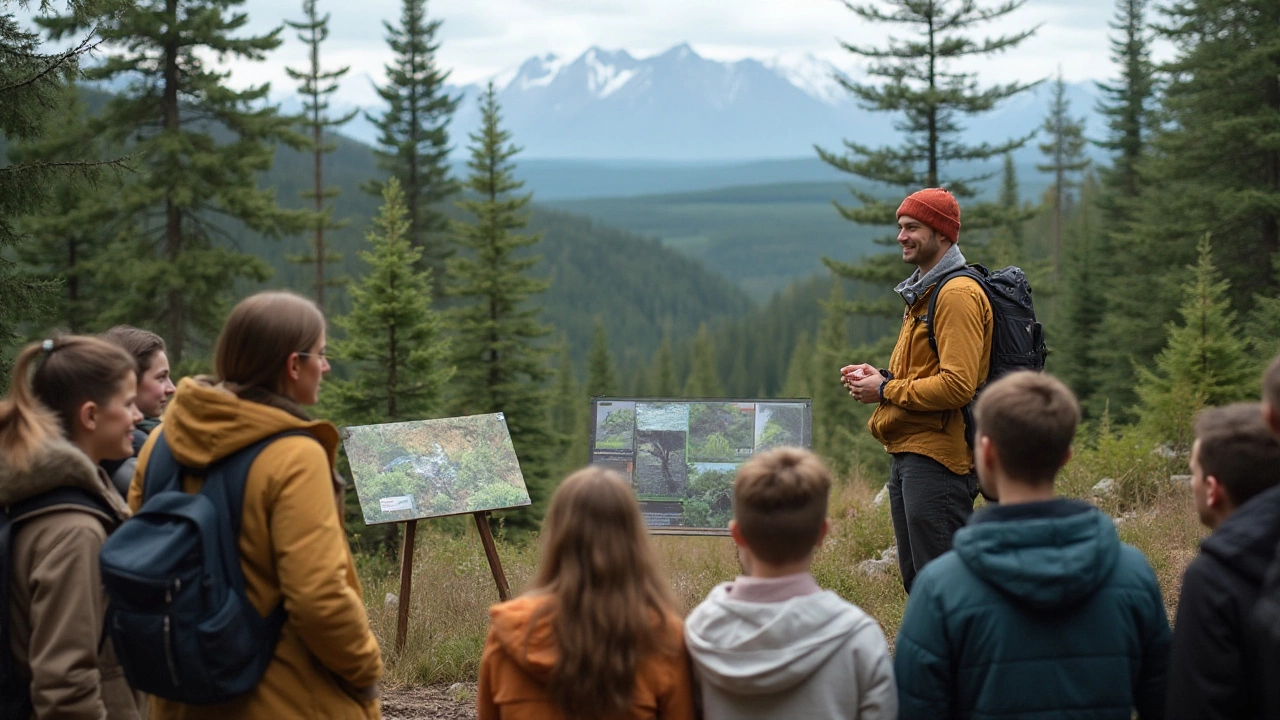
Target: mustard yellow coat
<point>920,412</point>
<point>292,547</point>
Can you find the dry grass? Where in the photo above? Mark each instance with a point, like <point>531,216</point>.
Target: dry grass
<point>453,587</point>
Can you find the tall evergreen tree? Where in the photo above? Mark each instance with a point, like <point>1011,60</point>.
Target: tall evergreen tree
<point>1077,321</point>
<point>414,132</point>
<point>921,83</point>
<point>1205,362</point>
<point>602,374</point>
<point>798,383</point>
<point>394,346</point>
<point>32,83</point>
<point>704,377</point>
<point>315,86</point>
<point>1064,149</point>
<point>838,419</point>
<point>1006,246</point>
<point>567,416</point>
<point>1126,103</point>
<point>181,270</point>
<point>666,384</point>
<point>500,365</point>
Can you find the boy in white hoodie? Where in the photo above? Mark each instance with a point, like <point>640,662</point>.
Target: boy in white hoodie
<point>772,644</point>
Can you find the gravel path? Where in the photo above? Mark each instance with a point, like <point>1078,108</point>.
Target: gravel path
<point>438,702</point>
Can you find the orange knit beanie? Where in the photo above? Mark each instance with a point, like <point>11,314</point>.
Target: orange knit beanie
<point>936,208</point>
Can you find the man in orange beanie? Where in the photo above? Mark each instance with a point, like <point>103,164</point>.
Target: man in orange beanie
<point>921,395</point>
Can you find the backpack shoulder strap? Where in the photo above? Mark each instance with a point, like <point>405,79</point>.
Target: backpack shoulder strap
<point>163,472</point>
<point>977,272</point>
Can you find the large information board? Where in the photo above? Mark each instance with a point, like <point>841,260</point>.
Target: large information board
<point>681,455</point>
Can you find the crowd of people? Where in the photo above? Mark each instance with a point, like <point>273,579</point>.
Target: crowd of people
<point>1030,607</point>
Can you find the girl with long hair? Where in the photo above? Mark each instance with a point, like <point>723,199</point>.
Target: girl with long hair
<point>270,361</point>
<point>70,406</point>
<point>597,636</point>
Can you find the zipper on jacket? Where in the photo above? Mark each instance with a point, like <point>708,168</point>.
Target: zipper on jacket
<point>168,642</point>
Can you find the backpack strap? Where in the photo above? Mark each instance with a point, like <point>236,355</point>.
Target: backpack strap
<point>163,472</point>
<point>978,273</point>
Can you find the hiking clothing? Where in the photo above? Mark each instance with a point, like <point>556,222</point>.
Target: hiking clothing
<point>520,653</point>
<point>811,656</point>
<point>776,589</point>
<point>57,605</point>
<point>293,549</point>
<point>1039,612</point>
<point>928,504</point>
<point>920,412</point>
<point>1214,671</point>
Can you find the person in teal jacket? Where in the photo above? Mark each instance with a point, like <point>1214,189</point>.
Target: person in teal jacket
<point>1038,611</point>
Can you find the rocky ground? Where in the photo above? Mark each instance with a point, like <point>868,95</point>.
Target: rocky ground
<point>439,702</point>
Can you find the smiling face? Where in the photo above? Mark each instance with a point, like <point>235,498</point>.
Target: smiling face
<point>921,244</point>
<point>156,387</point>
<point>105,432</point>
<point>305,371</point>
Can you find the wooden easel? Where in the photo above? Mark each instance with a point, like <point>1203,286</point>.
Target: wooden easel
<point>406,570</point>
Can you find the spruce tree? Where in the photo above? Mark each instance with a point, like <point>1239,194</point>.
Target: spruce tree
<point>1064,149</point>
<point>1077,322</point>
<point>704,378</point>
<point>838,419</point>
<point>567,414</point>
<point>413,144</point>
<point>500,364</point>
<point>798,383</point>
<point>315,86</point>
<point>1205,362</point>
<point>920,82</point>
<point>1006,245</point>
<point>1126,103</point>
<point>394,347</point>
<point>200,147</point>
<point>665,382</point>
<point>602,375</point>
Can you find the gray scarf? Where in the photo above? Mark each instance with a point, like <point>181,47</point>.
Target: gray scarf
<point>914,286</point>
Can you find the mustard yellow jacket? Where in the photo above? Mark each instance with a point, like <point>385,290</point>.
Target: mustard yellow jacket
<point>293,548</point>
<point>920,412</point>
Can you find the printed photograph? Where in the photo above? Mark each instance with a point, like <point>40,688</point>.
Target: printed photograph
<point>709,501</point>
<point>432,468</point>
<point>662,416</point>
<point>615,425</point>
<point>721,432</point>
<point>660,464</point>
<point>779,424</point>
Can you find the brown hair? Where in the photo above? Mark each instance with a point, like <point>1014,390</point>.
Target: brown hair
<point>609,602</point>
<point>261,333</point>
<point>1238,448</point>
<point>1031,419</point>
<point>1271,385</point>
<point>43,404</point>
<point>779,503</point>
<point>142,344</point>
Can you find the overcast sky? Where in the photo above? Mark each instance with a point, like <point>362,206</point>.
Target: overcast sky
<point>480,38</point>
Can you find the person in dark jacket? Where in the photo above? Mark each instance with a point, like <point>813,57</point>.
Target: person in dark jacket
<point>1039,611</point>
<point>155,387</point>
<point>1235,466</point>
<point>1265,616</point>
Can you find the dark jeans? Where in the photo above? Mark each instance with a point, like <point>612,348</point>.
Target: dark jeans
<point>928,503</point>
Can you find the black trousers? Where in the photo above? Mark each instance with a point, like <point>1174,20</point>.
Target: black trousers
<point>928,503</point>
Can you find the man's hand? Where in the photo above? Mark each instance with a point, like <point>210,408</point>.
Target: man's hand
<point>863,382</point>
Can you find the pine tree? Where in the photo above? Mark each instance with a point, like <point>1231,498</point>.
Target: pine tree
<point>566,414</point>
<point>1006,246</point>
<point>602,374</point>
<point>394,346</point>
<point>1205,362</point>
<point>704,378</point>
<point>665,382</point>
<point>32,83</point>
<point>500,365</point>
<point>1065,151</point>
<point>920,82</point>
<point>798,383</point>
<point>837,418</point>
<point>414,139</point>
<point>182,266</point>
<point>1127,105</point>
<point>316,86</point>
<point>1073,334</point>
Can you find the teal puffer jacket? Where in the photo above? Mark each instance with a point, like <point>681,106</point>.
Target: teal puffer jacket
<point>1039,611</point>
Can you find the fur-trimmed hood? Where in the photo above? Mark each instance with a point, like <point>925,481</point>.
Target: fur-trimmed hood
<point>54,465</point>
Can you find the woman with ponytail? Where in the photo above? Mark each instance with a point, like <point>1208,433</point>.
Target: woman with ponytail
<point>70,406</point>
<point>269,362</point>
<point>598,636</point>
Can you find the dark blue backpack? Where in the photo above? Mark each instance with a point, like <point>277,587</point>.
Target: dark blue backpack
<point>15,692</point>
<point>178,616</point>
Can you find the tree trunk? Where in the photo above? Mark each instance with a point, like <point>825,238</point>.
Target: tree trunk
<point>176,326</point>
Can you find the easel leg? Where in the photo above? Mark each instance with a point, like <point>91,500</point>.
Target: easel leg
<point>491,553</point>
<point>406,583</point>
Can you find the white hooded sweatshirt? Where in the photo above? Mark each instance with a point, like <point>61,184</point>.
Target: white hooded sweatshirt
<point>811,656</point>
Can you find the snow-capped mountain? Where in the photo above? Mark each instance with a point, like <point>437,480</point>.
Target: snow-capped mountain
<point>678,105</point>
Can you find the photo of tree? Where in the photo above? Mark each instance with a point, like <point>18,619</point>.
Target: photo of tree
<point>615,425</point>
<point>721,432</point>
<point>660,464</point>
<point>432,468</point>
<point>710,497</point>
<point>779,424</point>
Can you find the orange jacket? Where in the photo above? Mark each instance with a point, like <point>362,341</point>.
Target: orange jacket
<point>293,548</point>
<point>920,412</point>
<point>518,660</point>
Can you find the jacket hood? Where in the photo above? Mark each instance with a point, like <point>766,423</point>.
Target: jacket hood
<point>58,464</point>
<point>749,648</point>
<point>1046,562</point>
<point>1246,540</point>
<point>206,422</point>
<point>526,635</point>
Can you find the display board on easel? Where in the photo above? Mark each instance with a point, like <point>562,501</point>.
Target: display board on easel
<point>409,471</point>
<point>681,455</point>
